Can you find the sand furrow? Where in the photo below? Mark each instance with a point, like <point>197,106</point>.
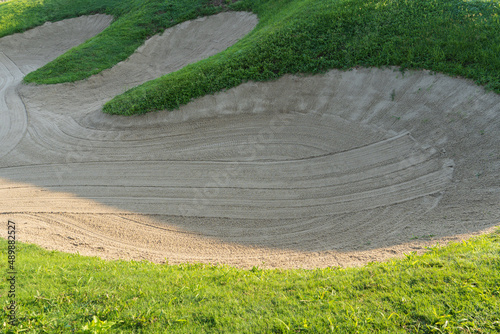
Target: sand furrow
<point>13,118</point>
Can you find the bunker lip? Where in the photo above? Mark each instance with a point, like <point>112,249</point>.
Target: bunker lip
<point>339,169</point>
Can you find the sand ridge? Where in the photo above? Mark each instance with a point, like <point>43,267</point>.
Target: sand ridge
<point>337,169</point>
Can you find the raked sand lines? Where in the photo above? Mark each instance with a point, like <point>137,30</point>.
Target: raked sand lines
<point>336,169</point>
<point>13,118</point>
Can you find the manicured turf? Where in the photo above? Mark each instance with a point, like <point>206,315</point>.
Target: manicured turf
<point>455,289</point>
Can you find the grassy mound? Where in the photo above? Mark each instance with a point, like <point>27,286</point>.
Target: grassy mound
<point>135,21</point>
<point>457,37</point>
<point>454,289</point>
<point>304,36</point>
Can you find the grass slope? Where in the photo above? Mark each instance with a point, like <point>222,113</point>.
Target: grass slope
<point>460,38</point>
<point>455,289</point>
<point>457,37</point>
<point>135,21</point>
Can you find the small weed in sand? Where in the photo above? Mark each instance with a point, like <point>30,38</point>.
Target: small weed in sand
<point>424,237</point>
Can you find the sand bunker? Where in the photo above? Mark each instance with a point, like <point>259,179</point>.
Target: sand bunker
<point>330,170</point>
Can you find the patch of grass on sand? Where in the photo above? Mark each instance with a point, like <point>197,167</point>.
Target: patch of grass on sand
<point>20,15</point>
<point>454,289</point>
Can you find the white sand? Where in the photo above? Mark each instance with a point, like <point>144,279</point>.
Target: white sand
<point>330,170</point>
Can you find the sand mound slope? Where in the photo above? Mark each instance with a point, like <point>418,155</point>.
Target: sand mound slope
<point>23,53</point>
<point>335,169</point>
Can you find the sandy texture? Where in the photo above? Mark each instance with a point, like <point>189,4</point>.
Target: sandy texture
<point>330,170</point>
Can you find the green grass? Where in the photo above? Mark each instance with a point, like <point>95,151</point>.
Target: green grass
<point>455,289</point>
<point>456,37</point>
<point>460,38</point>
